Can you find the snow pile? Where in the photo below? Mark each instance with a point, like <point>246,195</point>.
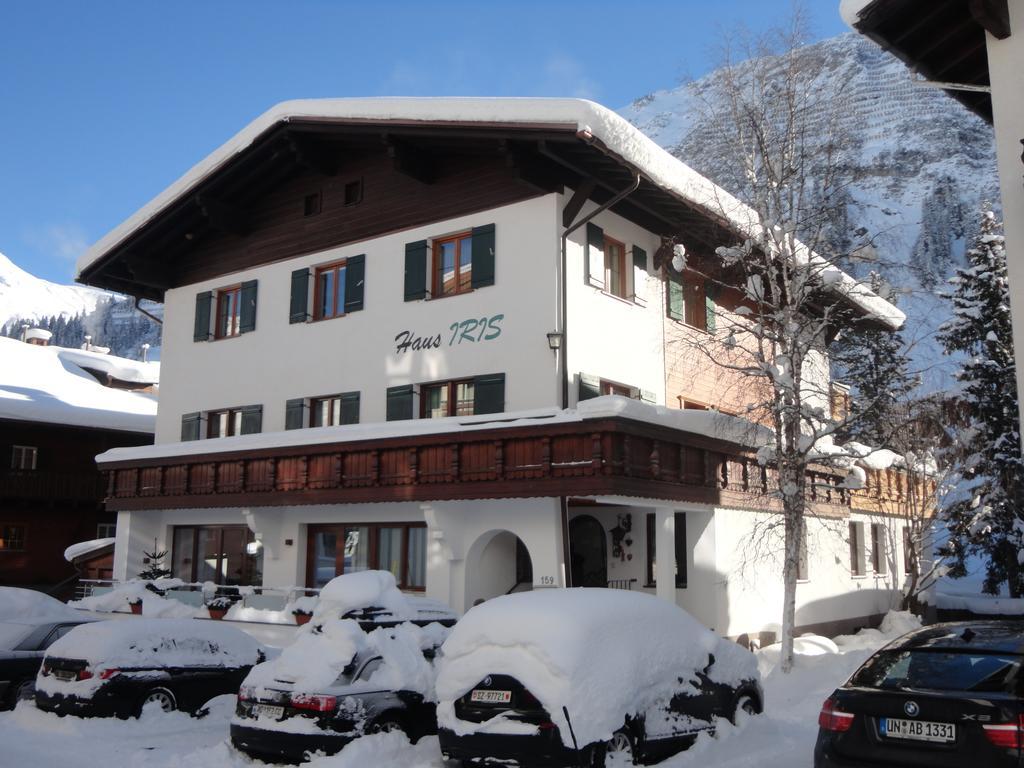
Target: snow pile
<point>27,605</point>
<point>121,368</point>
<point>157,643</point>
<point>153,605</point>
<point>894,624</point>
<point>601,653</point>
<point>364,589</point>
<point>85,547</point>
<point>36,384</point>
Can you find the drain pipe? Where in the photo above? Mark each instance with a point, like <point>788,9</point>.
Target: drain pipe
<point>564,314</point>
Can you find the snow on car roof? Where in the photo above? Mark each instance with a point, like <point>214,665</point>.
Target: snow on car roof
<point>587,118</point>
<point>157,643</point>
<point>48,384</point>
<point>600,653</point>
<point>352,595</point>
<point>29,606</point>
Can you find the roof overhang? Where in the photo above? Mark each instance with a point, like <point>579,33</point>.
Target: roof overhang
<point>943,40</point>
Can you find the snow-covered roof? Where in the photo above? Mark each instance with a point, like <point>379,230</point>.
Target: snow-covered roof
<point>121,368</point>
<point>850,10</point>
<point>708,423</point>
<point>85,547</point>
<point>588,119</point>
<point>48,384</point>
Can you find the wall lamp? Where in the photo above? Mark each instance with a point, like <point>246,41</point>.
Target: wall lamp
<point>555,341</point>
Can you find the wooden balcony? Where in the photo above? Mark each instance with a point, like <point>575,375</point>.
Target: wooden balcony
<point>608,457</point>
<point>56,486</point>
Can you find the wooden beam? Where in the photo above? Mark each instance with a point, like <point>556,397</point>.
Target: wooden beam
<point>579,198</point>
<point>411,161</point>
<point>531,170</point>
<point>992,15</point>
<point>223,216</point>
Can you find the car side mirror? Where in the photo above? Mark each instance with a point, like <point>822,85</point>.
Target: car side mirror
<point>711,663</point>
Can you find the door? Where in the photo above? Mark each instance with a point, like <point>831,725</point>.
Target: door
<point>589,552</point>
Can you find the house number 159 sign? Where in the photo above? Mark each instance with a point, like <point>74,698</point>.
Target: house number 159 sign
<point>470,331</point>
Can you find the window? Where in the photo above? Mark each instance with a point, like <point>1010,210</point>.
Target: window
<point>878,554</point>
<point>688,301</point>
<point>330,291</point>
<point>354,192</point>
<point>857,566</point>
<point>453,265</point>
<point>615,267</point>
<point>229,316</point>
<point>334,410</point>
<point>680,549</point>
<point>223,554</point>
<point>611,388</point>
<point>23,457</point>
<point>12,538</point>
<point>312,204</point>
<point>106,530</point>
<point>232,421</point>
<point>448,398</point>
<point>397,547</point>
<point>908,551</point>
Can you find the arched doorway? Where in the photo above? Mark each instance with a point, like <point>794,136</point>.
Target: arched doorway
<point>588,549</point>
<point>497,563</point>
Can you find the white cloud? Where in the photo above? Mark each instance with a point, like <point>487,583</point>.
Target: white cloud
<point>65,241</point>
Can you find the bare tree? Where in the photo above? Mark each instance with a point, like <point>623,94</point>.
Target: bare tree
<point>780,296</point>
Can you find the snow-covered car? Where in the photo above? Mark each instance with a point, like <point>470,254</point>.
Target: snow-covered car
<point>364,664</point>
<point>30,622</point>
<point>115,668</point>
<point>567,677</point>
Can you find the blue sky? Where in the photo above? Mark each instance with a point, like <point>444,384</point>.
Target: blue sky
<point>104,103</point>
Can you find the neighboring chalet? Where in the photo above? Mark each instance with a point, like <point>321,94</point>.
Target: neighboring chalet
<point>443,337</point>
<point>974,49</point>
<point>59,408</point>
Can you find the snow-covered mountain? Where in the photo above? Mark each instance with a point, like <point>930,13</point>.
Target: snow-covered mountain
<point>918,167</point>
<point>72,311</point>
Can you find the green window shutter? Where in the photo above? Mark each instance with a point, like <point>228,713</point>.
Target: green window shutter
<point>489,393</point>
<point>590,386</point>
<point>247,310</point>
<point>299,308</point>
<point>190,426</point>
<point>355,277</point>
<point>675,301</point>
<point>295,413</point>
<point>710,294</point>
<point>416,270</point>
<point>252,419</point>
<point>483,256</point>
<point>639,258</point>
<point>400,403</point>
<point>202,325</point>
<point>595,255</point>
<point>350,408</point>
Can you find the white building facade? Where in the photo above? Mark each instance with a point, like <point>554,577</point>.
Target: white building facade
<point>378,355</point>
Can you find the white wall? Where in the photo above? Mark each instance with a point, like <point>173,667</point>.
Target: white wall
<point>279,361</point>
<point>1006,72</point>
<point>614,338</point>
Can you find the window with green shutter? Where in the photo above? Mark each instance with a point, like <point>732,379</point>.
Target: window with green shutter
<point>295,413</point>
<point>400,402</point>
<point>190,426</point>
<point>298,310</point>
<point>416,270</point>
<point>687,301</point>
<point>201,330</point>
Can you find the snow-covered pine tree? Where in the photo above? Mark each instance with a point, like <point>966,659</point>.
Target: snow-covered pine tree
<point>987,516</point>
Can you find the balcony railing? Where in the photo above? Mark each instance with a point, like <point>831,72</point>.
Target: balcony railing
<point>62,486</point>
<point>606,456</point>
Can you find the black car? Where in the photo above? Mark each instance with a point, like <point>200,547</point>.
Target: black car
<point>118,667</point>
<point>282,716</point>
<point>22,645</point>
<point>945,696</point>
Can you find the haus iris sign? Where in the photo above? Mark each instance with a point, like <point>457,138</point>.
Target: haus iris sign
<point>470,331</point>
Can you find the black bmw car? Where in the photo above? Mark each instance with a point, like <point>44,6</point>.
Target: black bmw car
<point>944,696</point>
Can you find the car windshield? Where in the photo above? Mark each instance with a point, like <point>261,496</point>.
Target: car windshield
<point>920,669</point>
<point>12,634</point>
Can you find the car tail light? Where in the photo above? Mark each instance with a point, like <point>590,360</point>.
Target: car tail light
<point>833,719</point>
<point>314,703</point>
<point>1009,735</point>
<point>84,674</point>
<point>106,674</point>
<point>246,693</point>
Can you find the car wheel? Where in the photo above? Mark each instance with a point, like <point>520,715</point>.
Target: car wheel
<point>23,691</point>
<point>161,696</point>
<point>618,750</point>
<point>745,703</point>
<point>387,724</point>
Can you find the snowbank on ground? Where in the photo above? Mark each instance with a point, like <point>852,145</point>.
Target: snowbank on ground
<point>85,547</point>
<point>894,624</point>
<point>986,605</point>
<point>157,642</point>
<point>601,653</point>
